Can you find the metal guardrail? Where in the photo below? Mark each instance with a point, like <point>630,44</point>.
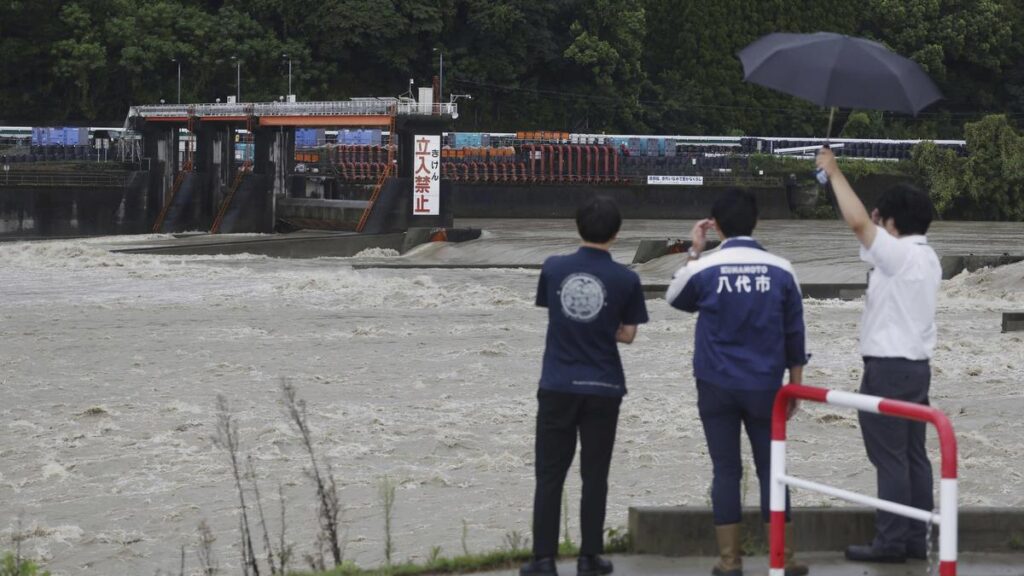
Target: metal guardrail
<point>946,517</point>
<point>33,179</point>
<point>339,108</point>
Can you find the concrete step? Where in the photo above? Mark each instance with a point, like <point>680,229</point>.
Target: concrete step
<point>686,530</point>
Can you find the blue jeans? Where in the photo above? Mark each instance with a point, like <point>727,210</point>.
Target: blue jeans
<point>722,410</point>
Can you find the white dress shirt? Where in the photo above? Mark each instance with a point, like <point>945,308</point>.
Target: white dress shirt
<point>899,309</point>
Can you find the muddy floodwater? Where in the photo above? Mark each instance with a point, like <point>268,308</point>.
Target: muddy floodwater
<point>110,365</point>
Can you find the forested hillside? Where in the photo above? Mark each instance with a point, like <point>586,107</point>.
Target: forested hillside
<point>637,66</point>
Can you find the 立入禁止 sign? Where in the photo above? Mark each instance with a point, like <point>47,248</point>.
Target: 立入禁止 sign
<point>676,180</point>
<point>426,176</point>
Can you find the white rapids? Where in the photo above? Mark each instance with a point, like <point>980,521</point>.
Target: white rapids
<point>111,363</point>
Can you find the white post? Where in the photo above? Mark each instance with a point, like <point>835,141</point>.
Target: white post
<point>948,496</point>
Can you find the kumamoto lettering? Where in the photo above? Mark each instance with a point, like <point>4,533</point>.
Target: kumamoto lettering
<point>747,269</point>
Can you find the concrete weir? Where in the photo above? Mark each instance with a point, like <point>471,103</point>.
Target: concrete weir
<point>304,244</point>
<point>301,244</point>
<point>688,531</point>
<point>955,264</point>
<point>1013,321</point>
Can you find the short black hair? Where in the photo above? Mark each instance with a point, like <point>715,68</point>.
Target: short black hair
<point>910,208</point>
<point>598,220</point>
<point>736,212</point>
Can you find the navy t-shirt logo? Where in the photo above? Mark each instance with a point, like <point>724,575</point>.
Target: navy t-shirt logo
<point>582,296</point>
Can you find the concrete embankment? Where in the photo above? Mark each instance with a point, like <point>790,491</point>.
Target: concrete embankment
<point>688,531</point>
<point>637,201</point>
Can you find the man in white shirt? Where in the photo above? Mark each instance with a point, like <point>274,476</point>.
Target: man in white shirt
<point>897,339</point>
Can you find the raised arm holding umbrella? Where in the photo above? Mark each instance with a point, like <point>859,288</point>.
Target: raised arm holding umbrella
<point>898,326</point>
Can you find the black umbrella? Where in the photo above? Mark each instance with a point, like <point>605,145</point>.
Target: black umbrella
<point>838,71</point>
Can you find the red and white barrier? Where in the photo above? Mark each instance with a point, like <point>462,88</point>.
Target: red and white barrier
<point>946,518</point>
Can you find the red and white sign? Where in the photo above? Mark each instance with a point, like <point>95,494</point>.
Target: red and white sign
<point>426,176</point>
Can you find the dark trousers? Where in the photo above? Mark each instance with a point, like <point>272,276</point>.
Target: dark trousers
<point>722,410</point>
<point>559,417</point>
<point>896,447</point>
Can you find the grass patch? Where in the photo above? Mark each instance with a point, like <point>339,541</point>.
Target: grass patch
<point>516,552</point>
<point>458,565</point>
<point>12,566</point>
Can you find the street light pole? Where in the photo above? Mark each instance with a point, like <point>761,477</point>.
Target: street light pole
<point>440,82</point>
<point>179,77</point>
<point>238,79</point>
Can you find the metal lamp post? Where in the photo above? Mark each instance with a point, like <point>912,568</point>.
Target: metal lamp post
<point>179,77</point>
<point>440,74</point>
<point>238,79</point>
<point>289,72</point>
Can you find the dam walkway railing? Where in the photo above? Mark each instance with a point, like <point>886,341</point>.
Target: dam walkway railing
<point>41,179</point>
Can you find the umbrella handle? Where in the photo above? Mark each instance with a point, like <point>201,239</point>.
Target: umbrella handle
<point>820,174</point>
<point>831,116</point>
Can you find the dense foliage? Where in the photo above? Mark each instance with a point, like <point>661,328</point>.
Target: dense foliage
<point>988,183</point>
<point>660,66</point>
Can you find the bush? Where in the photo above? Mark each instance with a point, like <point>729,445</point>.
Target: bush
<point>988,184</point>
<point>11,566</point>
<point>940,171</point>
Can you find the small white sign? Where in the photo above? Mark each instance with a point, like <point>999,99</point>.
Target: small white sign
<point>426,176</point>
<point>676,180</point>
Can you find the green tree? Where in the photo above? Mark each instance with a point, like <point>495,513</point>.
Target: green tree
<point>81,58</point>
<point>962,44</point>
<point>697,80</point>
<point>607,53</point>
<point>940,169</point>
<point>994,170</point>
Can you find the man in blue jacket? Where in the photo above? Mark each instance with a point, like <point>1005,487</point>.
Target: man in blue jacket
<point>593,302</point>
<point>749,331</point>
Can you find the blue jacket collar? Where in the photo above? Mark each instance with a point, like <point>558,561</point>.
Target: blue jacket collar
<point>741,242</point>
<point>594,252</point>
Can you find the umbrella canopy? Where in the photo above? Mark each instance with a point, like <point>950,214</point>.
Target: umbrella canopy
<point>838,71</point>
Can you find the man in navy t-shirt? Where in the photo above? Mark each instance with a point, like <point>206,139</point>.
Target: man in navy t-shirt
<point>593,303</point>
